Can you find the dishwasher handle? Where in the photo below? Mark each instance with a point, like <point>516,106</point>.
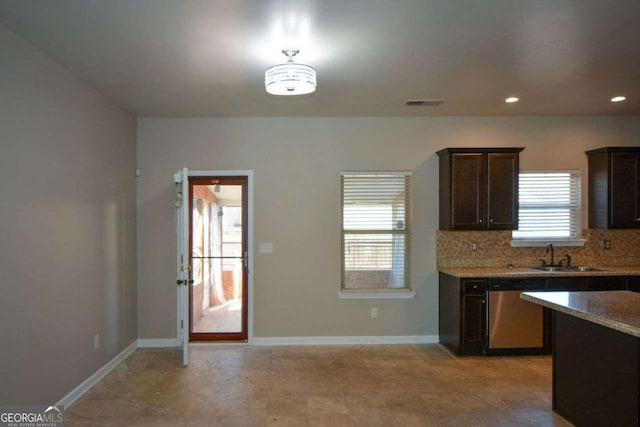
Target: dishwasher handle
<point>516,285</point>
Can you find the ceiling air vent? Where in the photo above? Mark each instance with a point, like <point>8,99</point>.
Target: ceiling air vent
<point>424,102</point>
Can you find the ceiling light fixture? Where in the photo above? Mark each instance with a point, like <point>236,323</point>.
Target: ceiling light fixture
<point>618,98</point>
<point>290,78</point>
<point>511,100</point>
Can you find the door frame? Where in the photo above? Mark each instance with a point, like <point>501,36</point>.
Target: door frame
<point>228,173</point>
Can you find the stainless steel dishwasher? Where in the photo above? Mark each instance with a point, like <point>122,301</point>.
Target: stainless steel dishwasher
<point>513,322</point>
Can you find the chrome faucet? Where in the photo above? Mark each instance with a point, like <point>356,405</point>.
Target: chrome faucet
<point>553,261</point>
<point>550,248</point>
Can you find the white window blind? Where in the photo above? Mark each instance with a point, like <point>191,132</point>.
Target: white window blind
<point>375,229</point>
<point>550,205</point>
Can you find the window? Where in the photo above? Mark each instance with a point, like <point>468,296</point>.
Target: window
<point>550,205</point>
<point>375,230</point>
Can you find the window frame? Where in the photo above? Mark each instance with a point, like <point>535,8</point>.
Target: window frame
<point>387,292</point>
<point>576,217</point>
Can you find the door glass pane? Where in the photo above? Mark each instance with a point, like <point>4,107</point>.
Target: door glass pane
<point>217,258</point>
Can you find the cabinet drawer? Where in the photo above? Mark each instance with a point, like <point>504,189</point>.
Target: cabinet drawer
<point>606,284</point>
<point>566,284</point>
<point>474,287</point>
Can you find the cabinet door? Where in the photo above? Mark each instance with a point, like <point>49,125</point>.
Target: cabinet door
<point>467,191</point>
<point>502,191</point>
<point>598,189</point>
<point>624,208</point>
<point>474,314</point>
<point>474,320</point>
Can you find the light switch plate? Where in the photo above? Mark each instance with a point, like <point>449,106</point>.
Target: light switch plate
<point>265,248</point>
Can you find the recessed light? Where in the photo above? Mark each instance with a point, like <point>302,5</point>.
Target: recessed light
<point>618,98</point>
<point>511,100</point>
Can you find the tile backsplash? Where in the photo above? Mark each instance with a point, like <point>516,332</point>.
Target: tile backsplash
<point>493,249</point>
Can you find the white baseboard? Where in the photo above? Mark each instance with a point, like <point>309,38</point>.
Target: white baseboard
<point>358,340</point>
<point>158,343</point>
<point>77,392</point>
<point>355,340</point>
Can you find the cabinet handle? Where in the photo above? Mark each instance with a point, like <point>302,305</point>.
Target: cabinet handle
<point>491,221</point>
<point>483,301</point>
<point>480,221</point>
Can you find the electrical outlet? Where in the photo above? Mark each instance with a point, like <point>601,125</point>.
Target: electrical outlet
<point>606,244</point>
<point>374,312</point>
<point>96,341</point>
<point>474,246</point>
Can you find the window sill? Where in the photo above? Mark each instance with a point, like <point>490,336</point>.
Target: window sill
<point>376,294</point>
<point>523,243</point>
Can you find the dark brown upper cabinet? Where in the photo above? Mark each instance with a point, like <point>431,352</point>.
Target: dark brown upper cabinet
<point>479,188</point>
<point>614,186</point>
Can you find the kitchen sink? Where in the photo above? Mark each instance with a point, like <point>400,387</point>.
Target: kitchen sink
<point>554,269</point>
<point>568,269</point>
<point>584,269</point>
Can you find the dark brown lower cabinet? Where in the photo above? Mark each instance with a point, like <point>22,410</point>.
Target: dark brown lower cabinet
<point>462,314</point>
<point>596,373</point>
<point>474,314</point>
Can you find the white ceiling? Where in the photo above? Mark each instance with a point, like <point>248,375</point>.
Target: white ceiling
<point>186,58</point>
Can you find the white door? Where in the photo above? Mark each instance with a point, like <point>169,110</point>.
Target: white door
<point>183,269</point>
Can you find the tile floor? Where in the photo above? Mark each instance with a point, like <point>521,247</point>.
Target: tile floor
<point>386,385</point>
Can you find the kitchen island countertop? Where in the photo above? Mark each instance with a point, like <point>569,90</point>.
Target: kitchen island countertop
<point>618,310</point>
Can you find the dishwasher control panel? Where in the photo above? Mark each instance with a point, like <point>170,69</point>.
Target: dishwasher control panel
<point>516,285</point>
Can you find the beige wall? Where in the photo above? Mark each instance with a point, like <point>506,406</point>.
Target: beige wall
<point>297,164</point>
<point>67,221</point>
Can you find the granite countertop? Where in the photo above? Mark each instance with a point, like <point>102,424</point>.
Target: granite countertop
<point>618,310</point>
<point>481,272</point>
